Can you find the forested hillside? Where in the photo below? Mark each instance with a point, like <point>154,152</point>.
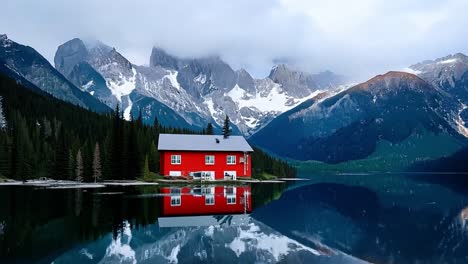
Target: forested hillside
<point>44,137</point>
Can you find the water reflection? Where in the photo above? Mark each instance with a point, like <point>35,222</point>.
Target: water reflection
<point>204,205</point>
<point>463,218</point>
<point>203,200</point>
<point>201,224</point>
<point>397,225</point>
<point>376,218</point>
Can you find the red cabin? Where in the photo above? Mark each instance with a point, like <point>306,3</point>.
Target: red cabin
<point>206,157</point>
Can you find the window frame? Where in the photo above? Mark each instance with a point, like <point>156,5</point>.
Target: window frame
<point>207,156</point>
<point>231,199</point>
<point>209,198</point>
<point>177,199</point>
<point>174,159</point>
<point>233,162</point>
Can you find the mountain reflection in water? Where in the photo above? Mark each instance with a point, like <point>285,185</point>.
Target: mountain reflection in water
<point>329,219</point>
<point>191,224</point>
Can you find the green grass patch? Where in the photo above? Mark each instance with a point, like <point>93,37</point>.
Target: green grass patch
<point>389,157</point>
<point>151,177</point>
<point>3,178</point>
<point>264,176</point>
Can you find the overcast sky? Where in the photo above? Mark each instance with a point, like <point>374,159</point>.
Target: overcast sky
<point>358,38</point>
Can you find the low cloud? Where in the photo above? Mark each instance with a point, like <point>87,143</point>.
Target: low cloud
<point>357,38</point>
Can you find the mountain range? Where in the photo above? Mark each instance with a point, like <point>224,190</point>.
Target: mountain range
<point>199,90</point>
<point>394,114</point>
<point>415,114</point>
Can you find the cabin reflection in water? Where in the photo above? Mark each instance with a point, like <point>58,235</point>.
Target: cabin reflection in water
<point>205,205</point>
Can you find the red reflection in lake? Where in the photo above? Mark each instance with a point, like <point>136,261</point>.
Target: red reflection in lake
<point>206,200</point>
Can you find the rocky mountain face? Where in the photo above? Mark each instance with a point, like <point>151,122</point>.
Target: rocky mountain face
<point>250,103</point>
<point>199,90</point>
<point>301,84</point>
<point>104,73</point>
<point>390,108</point>
<point>23,62</point>
<point>450,75</point>
<point>445,73</point>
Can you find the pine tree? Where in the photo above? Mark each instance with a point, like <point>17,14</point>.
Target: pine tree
<point>79,167</point>
<point>156,127</point>
<point>146,171</point>
<point>156,123</point>
<point>5,155</point>
<point>3,122</point>
<point>97,172</point>
<point>139,120</point>
<point>226,127</point>
<point>117,141</point>
<point>132,154</point>
<point>209,129</point>
<point>71,165</point>
<point>61,155</point>
<point>153,158</point>
<point>22,152</point>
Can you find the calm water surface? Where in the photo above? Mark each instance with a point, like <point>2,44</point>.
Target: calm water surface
<point>329,219</point>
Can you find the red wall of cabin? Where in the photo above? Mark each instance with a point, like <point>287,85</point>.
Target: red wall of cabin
<point>192,161</point>
<point>195,204</point>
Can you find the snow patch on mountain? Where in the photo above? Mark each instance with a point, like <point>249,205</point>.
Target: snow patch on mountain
<point>86,86</point>
<point>448,61</point>
<point>128,109</point>
<point>412,71</point>
<point>124,86</point>
<point>201,78</point>
<point>3,125</point>
<point>276,100</point>
<point>120,247</point>
<point>173,256</point>
<point>85,252</point>
<point>277,245</point>
<point>210,104</point>
<point>172,77</point>
<point>461,125</point>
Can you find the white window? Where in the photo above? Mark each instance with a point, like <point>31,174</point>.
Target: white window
<point>209,159</point>
<point>209,200</point>
<point>176,159</point>
<point>175,201</point>
<point>231,159</point>
<point>231,199</point>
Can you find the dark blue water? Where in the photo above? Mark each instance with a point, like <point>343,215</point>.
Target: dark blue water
<point>329,219</point>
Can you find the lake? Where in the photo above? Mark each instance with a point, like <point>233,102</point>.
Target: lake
<point>348,218</point>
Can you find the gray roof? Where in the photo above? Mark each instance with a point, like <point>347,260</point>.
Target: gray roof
<point>203,143</point>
